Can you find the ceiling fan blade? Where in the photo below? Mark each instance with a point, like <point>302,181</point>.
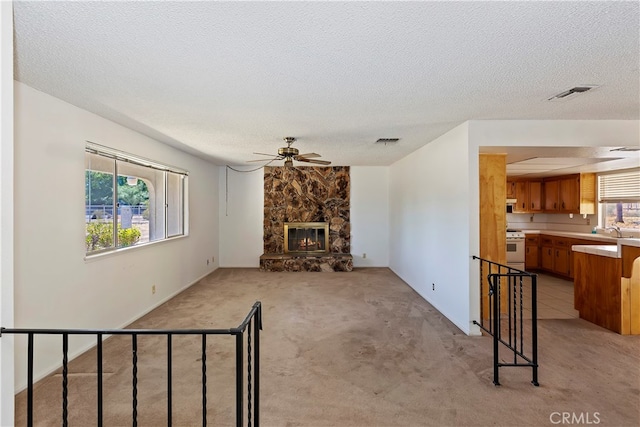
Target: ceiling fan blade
<point>318,162</point>
<point>263,154</point>
<point>263,160</point>
<point>308,155</point>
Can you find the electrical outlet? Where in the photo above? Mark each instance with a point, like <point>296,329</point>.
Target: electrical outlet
<point>213,259</point>
<point>588,221</point>
<point>207,261</point>
<point>153,289</point>
<point>433,286</point>
<point>531,218</point>
<point>364,255</point>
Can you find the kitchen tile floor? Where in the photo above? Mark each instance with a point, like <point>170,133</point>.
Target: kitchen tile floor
<point>555,299</point>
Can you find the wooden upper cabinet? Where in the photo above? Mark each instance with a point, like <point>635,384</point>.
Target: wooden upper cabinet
<point>563,194</point>
<point>587,193</point>
<point>528,195</point>
<point>522,196</point>
<point>535,196</point>
<point>511,189</point>
<point>569,194</point>
<point>551,195</point>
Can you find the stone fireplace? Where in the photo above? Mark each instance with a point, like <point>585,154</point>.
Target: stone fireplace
<point>295,198</point>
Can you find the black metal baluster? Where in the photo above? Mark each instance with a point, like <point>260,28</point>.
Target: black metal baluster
<point>169,379</point>
<point>512,289</point>
<point>496,327</point>
<point>521,320</point>
<point>30,380</point>
<point>239,359</point>
<point>534,328</point>
<point>481,294</point>
<point>249,374</point>
<point>99,368</point>
<point>257,321</point>
<point>65,378</point>
<point>134,349</point>
<point>204,380</point>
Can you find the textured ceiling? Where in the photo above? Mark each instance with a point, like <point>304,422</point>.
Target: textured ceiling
<point>226,79</point>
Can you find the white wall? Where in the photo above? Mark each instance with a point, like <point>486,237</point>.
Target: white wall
<point>434,202</point>
<point>554,133</point>
<point>370,215</point>
<point>431,219</point>
<point>241,217</point>
<point>54,286</point>
<point>6,212</point>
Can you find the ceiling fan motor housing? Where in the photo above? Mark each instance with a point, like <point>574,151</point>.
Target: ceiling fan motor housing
<point>288,151</point>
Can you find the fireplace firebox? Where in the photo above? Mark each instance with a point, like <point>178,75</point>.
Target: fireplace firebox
<point>306,237</point>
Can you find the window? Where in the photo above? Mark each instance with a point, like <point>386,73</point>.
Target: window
<point>130,201</point>
<point>619,197</point>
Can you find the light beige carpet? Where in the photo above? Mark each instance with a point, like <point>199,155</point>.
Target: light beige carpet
<point>350,349</point>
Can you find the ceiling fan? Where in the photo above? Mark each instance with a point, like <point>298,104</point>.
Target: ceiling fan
<point>289,154</point>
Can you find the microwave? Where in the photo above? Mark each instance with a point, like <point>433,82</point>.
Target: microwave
<point>510,204</point>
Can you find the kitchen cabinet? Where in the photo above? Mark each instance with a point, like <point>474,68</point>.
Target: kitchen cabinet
<point>535,196</point>
<point>570,194</point>
<point>556,255</point>
<point>511,189</point>
<point>528,195</point>
<point>532,252</point>
<point>547,253</point>
<point>551,195</point>
<point>563,257</point>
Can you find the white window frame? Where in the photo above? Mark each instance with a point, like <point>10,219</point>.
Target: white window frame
<point>180,190</point>
<point>629,193</point>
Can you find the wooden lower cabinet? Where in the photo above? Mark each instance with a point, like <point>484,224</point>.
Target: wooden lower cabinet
<point>531,259</point>
<point>562,262</point>
<point>556,255</point>
<point>597,290</point>
<point>532,252</point>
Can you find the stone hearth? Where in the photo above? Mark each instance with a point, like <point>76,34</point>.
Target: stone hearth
<point>307,194</point>
<point>324,263</point>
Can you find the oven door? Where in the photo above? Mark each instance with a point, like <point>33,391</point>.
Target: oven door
<point>515,251</point>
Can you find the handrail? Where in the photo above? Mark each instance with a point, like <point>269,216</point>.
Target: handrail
<point>251,324</point>
<point>514,291</point>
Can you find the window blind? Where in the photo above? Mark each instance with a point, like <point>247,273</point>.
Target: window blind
<point>619,188</point>
<point>110,153</point>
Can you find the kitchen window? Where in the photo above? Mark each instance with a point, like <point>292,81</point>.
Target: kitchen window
<point>130,201</point>
<point>619,199</point>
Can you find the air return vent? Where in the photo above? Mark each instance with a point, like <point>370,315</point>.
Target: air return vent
<point>386,141</point>
<point>572,93</point>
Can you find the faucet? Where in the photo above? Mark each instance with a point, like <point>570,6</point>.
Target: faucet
<point>616,228</point>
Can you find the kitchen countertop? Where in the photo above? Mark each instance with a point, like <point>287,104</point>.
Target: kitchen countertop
<point>612,249</point>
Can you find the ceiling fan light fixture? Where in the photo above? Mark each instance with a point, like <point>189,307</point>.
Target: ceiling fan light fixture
<point>288,163</point>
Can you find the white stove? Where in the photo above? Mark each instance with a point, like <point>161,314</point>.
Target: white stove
<point>515,249</point>
<point>515,234</point>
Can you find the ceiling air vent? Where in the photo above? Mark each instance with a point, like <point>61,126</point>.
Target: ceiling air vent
<point>626,149</point>
<point>386,141</point>
<point>572,93</point>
